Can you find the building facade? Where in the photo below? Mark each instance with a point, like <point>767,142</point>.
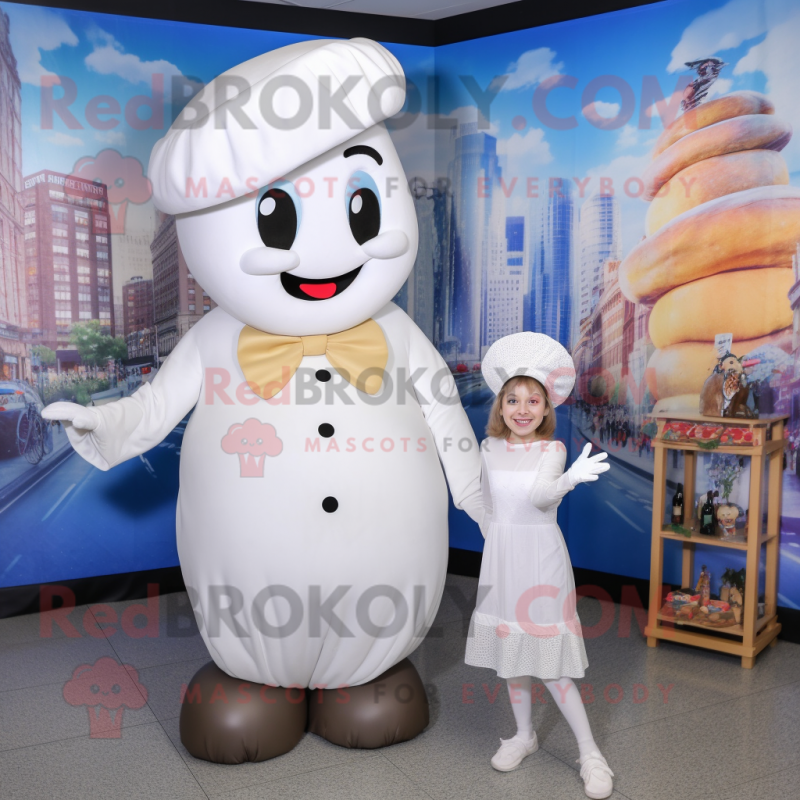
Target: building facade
<point>614,347</point>
<point>506,284</point>
<point>137,305</point>
<point>600,240</point>
<point>141,346</point>
<point>67,256</point>
<point>418,295</point>
<point>178,300</point>
<point>552,242</point>
<point>132,258</point>
<point>475,175</point>
<point>14,351</point>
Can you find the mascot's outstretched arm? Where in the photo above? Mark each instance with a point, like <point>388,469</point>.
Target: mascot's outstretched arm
<point>452,433</point>
<point>112,433</point>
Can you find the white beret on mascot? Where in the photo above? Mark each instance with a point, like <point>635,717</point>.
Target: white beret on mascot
<point>312,513</point>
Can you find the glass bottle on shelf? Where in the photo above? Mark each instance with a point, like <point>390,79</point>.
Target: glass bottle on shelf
<point>707,516</point>
<point>677,506</point>
<point>704,586</point>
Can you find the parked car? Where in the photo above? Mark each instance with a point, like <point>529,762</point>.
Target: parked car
<point>15,397</point>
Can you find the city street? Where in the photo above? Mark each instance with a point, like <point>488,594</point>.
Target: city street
<point>15,467</point>
<point>46,535</point>
<point>609,521</point>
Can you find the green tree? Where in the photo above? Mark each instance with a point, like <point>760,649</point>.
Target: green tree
<point>94,347</point>
<point>46,356</point>
<point>89,342</point>
<point>116,348</point>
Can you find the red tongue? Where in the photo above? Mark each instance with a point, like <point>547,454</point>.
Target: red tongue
<point>319,290</point>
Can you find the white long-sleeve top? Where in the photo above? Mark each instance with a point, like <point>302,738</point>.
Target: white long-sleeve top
<point>544,461</point>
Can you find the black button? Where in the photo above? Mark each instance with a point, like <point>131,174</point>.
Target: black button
<point>322,375</point>
<point>330,504</point>
<point>326,430</point>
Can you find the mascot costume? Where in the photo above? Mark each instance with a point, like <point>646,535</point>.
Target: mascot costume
<point>312,513</point>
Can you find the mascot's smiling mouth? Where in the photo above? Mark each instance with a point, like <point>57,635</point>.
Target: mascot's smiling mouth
<point>317,288</point>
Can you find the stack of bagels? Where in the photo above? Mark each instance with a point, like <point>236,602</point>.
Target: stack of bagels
<point>721,230</point>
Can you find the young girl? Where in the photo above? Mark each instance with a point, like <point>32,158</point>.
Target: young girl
<point>526,622</point>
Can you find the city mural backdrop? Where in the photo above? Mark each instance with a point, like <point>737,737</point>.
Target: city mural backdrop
<point>549,198</point>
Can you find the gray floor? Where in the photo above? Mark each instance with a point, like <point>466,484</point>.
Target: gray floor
<point>723,732</point>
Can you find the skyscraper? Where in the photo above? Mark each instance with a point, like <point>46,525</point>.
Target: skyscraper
<point>13,300</point>
<point>475,173</point>
<point>600,241</point>
<point>506,284</point>
<point>547,308</point>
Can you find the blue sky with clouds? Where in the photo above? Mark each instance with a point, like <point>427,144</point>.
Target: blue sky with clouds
<point>116,56</point>
<point>758,39</point>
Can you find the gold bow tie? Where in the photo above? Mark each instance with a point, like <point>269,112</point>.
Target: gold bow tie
<point>268,360</point>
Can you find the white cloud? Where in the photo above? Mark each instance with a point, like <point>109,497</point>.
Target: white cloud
<point>720,86</point>
<point>632,136</point>
<point>525,151</point>
<point>727,27</point>
<point>33,30</point>
<point>64,140</point>
<point>628,136</point>
<point>752,61</point>
<point>113,137</point>
<point>602,109</point>
<point>532,67</point>
<point>778,57</point>
<point>109,58</point>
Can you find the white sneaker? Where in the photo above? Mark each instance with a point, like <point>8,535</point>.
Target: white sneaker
<point>596,776</point>
<point>512,751</point>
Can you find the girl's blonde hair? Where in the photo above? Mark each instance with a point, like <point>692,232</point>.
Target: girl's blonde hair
<point>497,427</point>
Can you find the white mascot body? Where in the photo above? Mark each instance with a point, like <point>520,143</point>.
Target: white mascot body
<point>312,514</point>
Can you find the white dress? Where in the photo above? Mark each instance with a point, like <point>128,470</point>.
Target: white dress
<point>525,621</point>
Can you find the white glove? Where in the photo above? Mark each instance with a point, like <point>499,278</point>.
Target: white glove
<point>586,469</point>
<point>85,419</point>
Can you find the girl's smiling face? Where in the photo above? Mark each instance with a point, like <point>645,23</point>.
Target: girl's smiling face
<point>523,410</point>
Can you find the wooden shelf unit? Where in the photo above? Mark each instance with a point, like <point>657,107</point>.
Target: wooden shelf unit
<point>755,632</point>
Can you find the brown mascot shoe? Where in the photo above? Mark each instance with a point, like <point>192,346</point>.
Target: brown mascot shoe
<point>390,709</point>
<point>230,721</point>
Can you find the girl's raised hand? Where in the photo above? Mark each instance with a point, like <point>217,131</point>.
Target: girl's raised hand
<point>586,468</point>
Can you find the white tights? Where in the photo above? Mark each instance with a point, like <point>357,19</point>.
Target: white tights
<point>567,698</point>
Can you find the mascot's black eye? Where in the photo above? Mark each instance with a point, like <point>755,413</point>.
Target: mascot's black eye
<point>364,215</point>
<point>277,219</point>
